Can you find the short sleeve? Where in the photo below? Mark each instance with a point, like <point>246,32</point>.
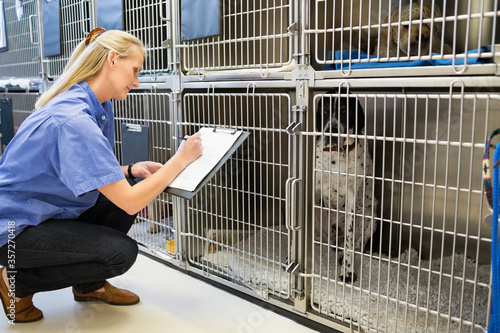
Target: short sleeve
<point>84,158</point>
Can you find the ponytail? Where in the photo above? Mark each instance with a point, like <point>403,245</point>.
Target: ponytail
<point>86,61</point>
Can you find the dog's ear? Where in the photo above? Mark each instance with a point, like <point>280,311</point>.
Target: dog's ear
<point>360,118</point>
<point>321,112</point>
<point>427,13</point>
<point>356,115</point>
<point>319,115</point>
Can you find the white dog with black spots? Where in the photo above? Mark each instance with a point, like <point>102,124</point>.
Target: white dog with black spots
<point>343,170</point>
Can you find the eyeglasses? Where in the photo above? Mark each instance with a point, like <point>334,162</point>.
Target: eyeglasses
<point>93,35</point>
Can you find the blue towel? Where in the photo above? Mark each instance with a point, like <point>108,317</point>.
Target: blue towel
<point>357,55</point>
<point>110,14</point>
<point>199,19</point>
<point>51,29</point>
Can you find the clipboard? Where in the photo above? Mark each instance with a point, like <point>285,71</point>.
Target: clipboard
<point>6,122</point>
<point>135,143</point>
<point>190,194</point>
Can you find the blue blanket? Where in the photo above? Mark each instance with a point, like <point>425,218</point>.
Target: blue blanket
<point>356,55</point>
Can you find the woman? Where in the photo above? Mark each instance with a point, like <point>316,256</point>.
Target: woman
<point>65,202</point>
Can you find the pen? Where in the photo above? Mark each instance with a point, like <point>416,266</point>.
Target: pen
<point>178,138</point>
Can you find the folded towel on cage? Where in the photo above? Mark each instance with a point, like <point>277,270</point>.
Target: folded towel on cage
<point>356,59</point>
<point>13,82</point>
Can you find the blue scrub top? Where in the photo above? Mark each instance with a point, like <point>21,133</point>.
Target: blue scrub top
<point>60,155</point>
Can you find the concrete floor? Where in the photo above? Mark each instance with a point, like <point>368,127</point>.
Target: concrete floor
<point>171,301</point>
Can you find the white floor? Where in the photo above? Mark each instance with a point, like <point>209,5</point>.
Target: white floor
<point>171,301</point>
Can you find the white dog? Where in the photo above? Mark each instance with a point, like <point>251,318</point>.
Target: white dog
<point>343,169</point>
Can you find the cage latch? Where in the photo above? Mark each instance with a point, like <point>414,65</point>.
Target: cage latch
<point>292,268</point>
<point>294,28</point>
<point>167,43</point>
<point>299,108</point>
<point>298,293</point>
<point>293,128</point>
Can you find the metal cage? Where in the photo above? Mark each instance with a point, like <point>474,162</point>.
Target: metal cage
<point>23,105</point>
<point>21,59</point>
<point>253,36</point>
<point>151,23</point>
<point>372,35</point>
<point>235,224</point>
<point>155,226</point>
<point>357,199</point>
<point>425,265</point>
<point>76,23</point>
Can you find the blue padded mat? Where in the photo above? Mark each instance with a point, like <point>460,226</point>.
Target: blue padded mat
<point>357,56</point>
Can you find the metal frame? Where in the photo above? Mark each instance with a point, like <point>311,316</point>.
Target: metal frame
<point>22,103</point>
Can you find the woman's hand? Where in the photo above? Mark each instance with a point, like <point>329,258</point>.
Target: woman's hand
<point>145,169</point>
<point>190,149</point>
<point>133,198</point>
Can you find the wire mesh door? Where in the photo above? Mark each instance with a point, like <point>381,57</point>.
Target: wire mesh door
<point>150,21</point>
<point>253,35</point>
<point>76,23</point>
<point>235,226</point>
<point>22,107</point>
<point>374,34</point>
<point>155,226</point>
<point>23,48</point>
<point>410,228</point>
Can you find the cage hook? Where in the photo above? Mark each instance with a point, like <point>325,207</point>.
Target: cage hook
<point>344,85</point>
<point>253,85</point>
<point>266,73</point>
<point>212,85</point>
<point>201,75</point>
<point>343,71</point>
<point>462,86</point>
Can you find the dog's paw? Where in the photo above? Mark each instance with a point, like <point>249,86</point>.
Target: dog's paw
<point>349,277</point>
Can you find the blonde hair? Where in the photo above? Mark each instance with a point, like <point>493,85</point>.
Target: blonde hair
<point>87,60</point>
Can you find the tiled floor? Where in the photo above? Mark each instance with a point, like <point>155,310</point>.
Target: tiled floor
<point>171,301</point>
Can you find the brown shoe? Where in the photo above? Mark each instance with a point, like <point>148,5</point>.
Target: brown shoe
<point>110,295</point>
<point>20,312</point>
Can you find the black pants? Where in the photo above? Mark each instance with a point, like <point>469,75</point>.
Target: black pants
<point>82,253</point>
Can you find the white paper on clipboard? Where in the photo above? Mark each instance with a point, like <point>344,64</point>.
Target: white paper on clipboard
<point>214,146</point>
